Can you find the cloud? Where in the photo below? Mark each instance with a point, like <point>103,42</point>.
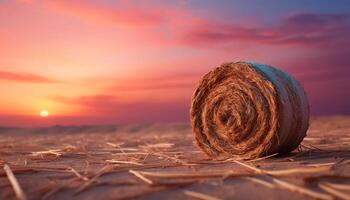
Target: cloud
<point>303,29</point>
<point>315,69</point>
<point>166,82</point>
<point>176,25</point>
<point>325,78</point>
<point>25,77</point>
<point>158,99</point>
<point>86,101</point>
<point>123,112</point>
<point>120,14</point>
<point>311,21</point>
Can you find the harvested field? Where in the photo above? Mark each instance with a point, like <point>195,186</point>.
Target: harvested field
<point>163,162</point>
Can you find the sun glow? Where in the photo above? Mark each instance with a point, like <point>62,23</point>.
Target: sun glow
<point>44,113</point>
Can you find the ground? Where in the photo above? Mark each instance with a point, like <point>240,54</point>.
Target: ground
<point>162,162</point>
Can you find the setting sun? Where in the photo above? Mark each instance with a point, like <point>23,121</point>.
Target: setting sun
<point>44,113</point>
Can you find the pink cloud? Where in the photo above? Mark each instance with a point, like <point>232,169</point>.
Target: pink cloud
<point>159,23</point>
<point>306,30</point>
<point>166,82</point>
<point>178,26</point>
<point>325,78</point>
<point>86,101</point>
<point>111,103</point>
<point>25,77</point>
<point>122,112</point>
<point>121,14</point>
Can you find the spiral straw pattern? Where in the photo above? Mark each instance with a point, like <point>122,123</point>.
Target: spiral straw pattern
<point>248,110</point>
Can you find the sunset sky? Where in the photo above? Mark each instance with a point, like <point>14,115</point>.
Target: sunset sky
<point>103,62</point>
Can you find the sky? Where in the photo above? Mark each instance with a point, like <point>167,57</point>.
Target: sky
<point>106,62</point>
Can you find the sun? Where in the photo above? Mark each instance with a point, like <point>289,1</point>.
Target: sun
<point>44,113</point>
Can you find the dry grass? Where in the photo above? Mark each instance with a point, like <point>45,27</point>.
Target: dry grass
<point>159,161</point>
<point>201,196</point>
<point>335,192</point>
<point>15,185</point>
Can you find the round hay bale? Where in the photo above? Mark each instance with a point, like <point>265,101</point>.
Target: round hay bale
<point>248,110</point>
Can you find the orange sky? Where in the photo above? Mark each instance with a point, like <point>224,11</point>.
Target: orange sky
<point>94,62</point>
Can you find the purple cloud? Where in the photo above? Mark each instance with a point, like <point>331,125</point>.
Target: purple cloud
<point>306,30</point>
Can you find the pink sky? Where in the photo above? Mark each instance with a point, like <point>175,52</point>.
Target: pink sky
<point>99,62</point>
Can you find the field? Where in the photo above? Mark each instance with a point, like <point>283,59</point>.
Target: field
<point>161,161</point>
